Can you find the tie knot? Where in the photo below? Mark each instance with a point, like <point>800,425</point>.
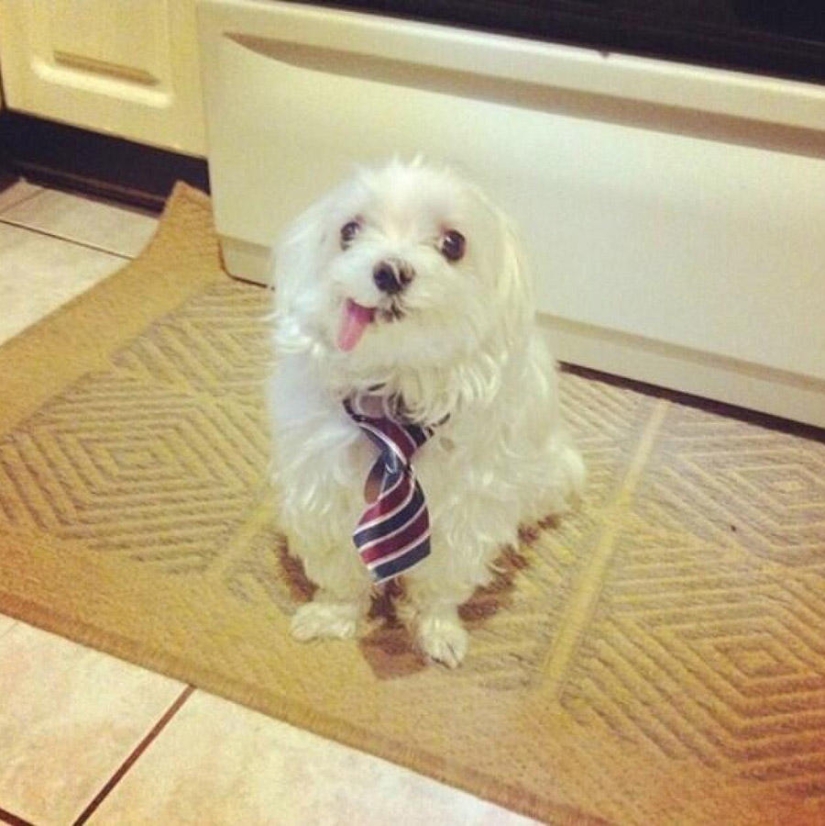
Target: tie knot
<point>381,420</point>
<point>375,406</point>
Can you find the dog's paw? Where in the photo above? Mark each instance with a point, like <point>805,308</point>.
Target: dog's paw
<point>330,620</point>
<point>443,639</point>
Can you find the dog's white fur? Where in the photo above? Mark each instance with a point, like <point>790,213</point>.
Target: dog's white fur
<point>465,347</point>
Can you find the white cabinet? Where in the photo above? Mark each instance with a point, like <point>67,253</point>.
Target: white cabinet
<point>122,67</point>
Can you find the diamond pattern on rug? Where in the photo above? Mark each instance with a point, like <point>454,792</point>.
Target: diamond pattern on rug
<point>658,653</point>
<point>725,480</point>
<point>707,639</point>
<point>156,457</point>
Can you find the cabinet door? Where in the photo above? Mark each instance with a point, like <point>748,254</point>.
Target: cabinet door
<point>123,67</point>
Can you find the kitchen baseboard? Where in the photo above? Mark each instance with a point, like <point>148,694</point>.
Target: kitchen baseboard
<point>65,157</point>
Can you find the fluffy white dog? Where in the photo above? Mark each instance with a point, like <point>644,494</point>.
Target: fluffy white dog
<point>402,297</point>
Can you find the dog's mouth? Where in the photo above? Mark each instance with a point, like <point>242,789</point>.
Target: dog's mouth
<point>355,319</point>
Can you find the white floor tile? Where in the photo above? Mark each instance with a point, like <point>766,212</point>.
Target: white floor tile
<point>69,717</point>
<point>39,273</point>
<point>75,218</point>
<point>217,763</point>
<point>17,192</point>
<point>6,624</point>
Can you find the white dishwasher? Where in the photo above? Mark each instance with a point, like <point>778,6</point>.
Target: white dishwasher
<point>674,215</point>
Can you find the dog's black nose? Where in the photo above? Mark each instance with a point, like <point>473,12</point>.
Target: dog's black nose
<point>390,276</point>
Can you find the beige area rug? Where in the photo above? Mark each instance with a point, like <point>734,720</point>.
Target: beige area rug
<point>657,658</point>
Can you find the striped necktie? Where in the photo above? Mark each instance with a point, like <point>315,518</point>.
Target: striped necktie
<point>393,533</point>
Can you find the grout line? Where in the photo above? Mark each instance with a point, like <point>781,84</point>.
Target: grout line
<point>130,761</point>
<point>10,222</point>
<point>582,603</point>
<point>13,820</point>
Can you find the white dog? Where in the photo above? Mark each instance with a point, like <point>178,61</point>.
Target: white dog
<point>401,297</point>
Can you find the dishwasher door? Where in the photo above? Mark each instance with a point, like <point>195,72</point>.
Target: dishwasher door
<point>673,214</point>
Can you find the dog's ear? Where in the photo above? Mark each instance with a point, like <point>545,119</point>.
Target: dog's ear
<point>511,278</point>
<point>514,283</point>
<point>298,254</point>
<point>295,272</point>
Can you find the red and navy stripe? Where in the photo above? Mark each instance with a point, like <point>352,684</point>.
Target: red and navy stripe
<point>393,533</point>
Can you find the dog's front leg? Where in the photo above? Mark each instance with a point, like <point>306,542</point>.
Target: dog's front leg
<point>343,594</point>
<point>327,616</point>
<point>431,612</point>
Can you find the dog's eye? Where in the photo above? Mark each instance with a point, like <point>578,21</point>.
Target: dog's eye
<point>348,233</point>
<point>452,245</point>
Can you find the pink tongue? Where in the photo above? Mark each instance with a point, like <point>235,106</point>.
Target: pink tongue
<point>355,321</point>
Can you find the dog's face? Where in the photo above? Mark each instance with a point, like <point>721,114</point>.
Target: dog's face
<point>403,266</point>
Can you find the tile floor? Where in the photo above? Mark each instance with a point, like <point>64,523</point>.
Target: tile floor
<point>86,738</point>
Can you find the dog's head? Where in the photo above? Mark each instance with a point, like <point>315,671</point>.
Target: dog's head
<point>406,266</point>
